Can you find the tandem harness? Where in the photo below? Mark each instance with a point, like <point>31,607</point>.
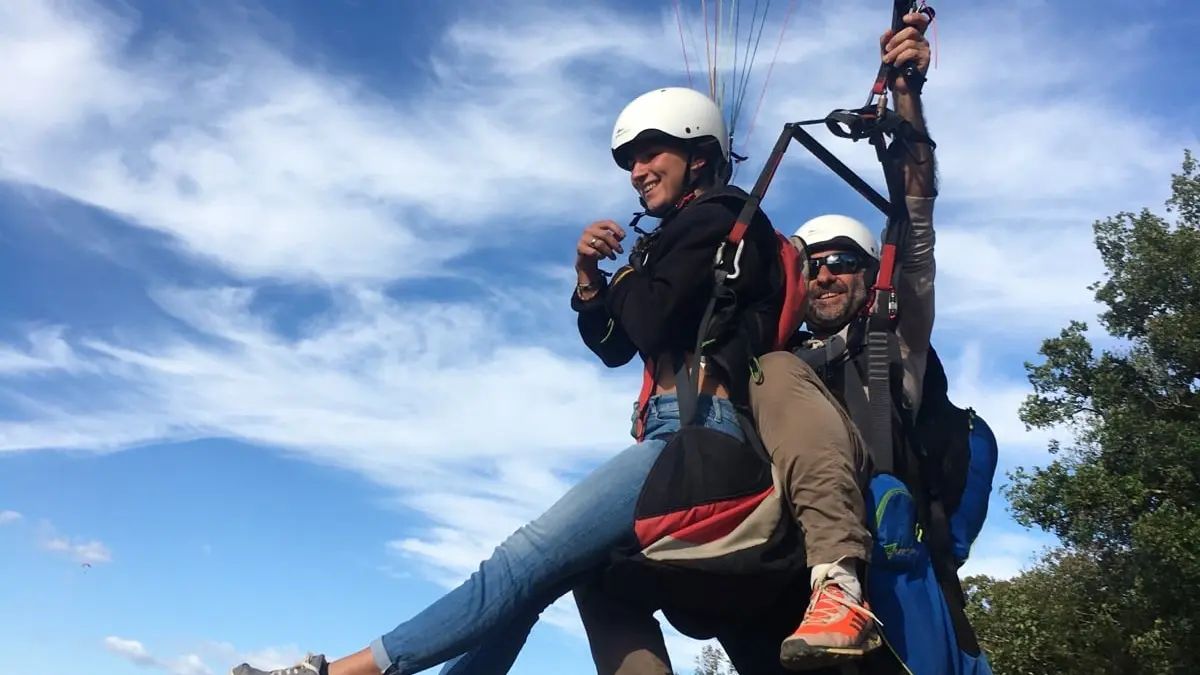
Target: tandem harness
<point>892,136</point>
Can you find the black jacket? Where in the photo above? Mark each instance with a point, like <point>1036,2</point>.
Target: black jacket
<point>657,308</point>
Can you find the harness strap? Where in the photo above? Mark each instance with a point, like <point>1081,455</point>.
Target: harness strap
<point>641,407</point>
<point>687,387</point>
<point>931,510</point>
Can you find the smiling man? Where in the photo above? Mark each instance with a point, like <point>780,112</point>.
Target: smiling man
<point>840,247</point>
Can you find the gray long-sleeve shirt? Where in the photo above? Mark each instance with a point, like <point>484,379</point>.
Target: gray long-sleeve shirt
<point>914,294</point>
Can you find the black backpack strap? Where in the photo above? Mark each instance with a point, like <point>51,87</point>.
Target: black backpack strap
<point>728,254</point>
<point>687,390</point>
<point>687,387</point>
<point>932,499</point>
<point>931,510</point>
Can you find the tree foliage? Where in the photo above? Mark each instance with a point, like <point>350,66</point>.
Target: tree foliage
<point>713,661</point>
<point>1123,594</point>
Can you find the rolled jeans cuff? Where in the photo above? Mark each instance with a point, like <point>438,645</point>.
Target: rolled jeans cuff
<point>382,660</point>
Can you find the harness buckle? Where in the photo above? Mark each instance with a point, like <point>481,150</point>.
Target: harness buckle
<point>737,259</point>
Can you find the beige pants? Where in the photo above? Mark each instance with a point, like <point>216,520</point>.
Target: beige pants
<point>813,443</point>
<point>821,454</point>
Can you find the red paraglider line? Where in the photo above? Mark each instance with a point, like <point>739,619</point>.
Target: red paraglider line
<point>683,45</point>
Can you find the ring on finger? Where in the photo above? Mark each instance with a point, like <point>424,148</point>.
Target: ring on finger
<point>592,243</point>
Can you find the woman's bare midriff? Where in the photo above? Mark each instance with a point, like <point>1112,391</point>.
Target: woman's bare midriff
<point>710,382</point>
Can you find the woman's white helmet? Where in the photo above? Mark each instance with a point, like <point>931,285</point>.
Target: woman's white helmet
<point>832,231</point>
<point>677,112</point>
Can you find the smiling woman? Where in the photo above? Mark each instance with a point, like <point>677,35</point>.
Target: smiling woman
<point>135,318</point>
<point>674,143</point>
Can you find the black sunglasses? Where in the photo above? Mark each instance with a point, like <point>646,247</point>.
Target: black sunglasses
<point>838,262</point>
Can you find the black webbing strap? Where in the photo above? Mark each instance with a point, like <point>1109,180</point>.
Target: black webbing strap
<point>688,388</point>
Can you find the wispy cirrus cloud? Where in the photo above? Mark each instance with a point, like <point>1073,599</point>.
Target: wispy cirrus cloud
<point>136,653</point>
<point>268,169</point>
<point>265,168</point>
<point>47,537</point>
<point>80,550</point>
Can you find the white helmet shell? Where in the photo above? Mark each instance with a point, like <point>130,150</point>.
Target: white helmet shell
<point>678,112</point>
<point>827,231</point>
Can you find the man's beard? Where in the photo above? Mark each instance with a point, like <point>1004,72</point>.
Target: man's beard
<point>832,317</point>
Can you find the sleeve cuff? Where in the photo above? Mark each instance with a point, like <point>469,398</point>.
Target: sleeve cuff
<point>920,209</point>
<point>597,301</point>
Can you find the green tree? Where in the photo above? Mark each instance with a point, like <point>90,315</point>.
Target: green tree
<point>713,661</point>
<point>1122,595</point>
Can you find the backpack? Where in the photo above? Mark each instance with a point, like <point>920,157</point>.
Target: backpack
<point>949,452</point>
<point>962,452</point>
<point>712,513</point>
<point>924,530</point>
<point>926,510</point>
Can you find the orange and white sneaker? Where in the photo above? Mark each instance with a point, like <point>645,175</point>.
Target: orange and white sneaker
<point>835,629</point>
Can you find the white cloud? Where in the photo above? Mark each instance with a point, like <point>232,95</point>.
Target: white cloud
<point>1003,555</point>
<point>130,650</point>
<point>7,517</point>
<point>197,662</point>
<point>135,652</point>
<point>974,382</point>
<point>91,551</point>
<point>1021,155</point>
<point>46,351</point>
<point>987,279</point>
<point>267,658</point>
<point>268,168</point>
<point>379,387</point>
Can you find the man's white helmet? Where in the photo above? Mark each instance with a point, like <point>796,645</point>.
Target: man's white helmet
<point>678,112</point>
<point>832,231</point>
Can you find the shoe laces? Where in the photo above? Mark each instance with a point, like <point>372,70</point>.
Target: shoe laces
<point>827,601</point>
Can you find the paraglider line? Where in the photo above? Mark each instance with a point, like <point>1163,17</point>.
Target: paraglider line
<point>754,54</point>
<point>707,47</point>
<point>736,20</point>
<point>687,66</point>
<point>786,19</point>
<point>926,9</point>
<point>740,83</point>
<point>717,53</point>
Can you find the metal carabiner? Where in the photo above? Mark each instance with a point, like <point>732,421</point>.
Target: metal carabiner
<point>737,259</point>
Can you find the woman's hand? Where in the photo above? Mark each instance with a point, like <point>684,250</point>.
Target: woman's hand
<point>601,239</point>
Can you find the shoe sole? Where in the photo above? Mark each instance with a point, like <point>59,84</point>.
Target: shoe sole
<point>799,656</point>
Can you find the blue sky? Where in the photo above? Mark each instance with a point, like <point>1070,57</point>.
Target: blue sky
<point>285,324</point>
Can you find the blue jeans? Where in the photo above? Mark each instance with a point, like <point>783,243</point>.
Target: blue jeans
<point>540,562</point>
